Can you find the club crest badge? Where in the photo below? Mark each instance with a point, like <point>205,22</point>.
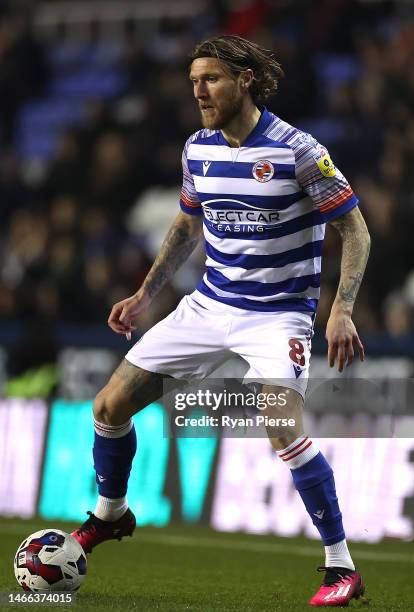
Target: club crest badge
<point>263,170</point>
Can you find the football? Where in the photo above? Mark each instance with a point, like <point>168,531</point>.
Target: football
<point>50,560</point>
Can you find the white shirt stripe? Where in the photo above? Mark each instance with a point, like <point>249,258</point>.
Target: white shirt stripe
<point>268,275</point>
<point>244,154</point>
<point>211,184</point>
<point>311,293</point>
<point>266,246</point>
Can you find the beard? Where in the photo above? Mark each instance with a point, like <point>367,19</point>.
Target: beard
<point>223,115</point>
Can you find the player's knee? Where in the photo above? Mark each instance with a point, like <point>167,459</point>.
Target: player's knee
<point>109,408</point>
<point>284,420</point>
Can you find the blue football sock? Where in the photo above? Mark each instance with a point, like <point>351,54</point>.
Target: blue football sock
<point>316,486</point>
<point>112,461</point>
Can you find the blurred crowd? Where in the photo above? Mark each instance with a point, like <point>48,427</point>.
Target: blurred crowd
<point>79,228</point>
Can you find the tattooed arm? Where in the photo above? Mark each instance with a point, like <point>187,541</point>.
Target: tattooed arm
<point>178,245</point>
<point>340,330</point>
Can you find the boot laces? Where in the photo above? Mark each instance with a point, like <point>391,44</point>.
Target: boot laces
<point>334,575</point>
<point>88,526</point>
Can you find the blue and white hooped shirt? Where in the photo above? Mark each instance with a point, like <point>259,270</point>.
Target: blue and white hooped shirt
<point>265,206</point>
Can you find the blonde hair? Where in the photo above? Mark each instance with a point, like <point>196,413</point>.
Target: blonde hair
<point>239,54</point>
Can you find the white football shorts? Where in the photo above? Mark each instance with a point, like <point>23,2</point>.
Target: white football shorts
<point>201,334</point>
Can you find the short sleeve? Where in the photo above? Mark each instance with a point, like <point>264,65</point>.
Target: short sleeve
<point>189,201</point>
<point>322,181</point>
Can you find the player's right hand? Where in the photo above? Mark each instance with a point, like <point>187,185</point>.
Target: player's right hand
<point>124,313</point>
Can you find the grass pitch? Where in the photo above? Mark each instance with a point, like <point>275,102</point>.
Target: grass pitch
<point>195,568</point>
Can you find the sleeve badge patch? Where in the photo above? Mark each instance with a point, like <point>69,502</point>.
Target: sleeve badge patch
<point>324,163</point>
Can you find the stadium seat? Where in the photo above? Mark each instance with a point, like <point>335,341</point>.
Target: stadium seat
<point>68,56</point>
<point>38,145</point>
<point>335,69</point>
<point>51,112</point>
<point>89,82</point>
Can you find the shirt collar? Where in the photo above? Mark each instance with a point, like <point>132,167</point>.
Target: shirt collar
<point>263,123</point>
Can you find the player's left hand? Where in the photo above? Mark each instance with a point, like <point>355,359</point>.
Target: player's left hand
<point>341,335</point>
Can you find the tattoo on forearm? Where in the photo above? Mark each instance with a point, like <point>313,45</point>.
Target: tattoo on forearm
<point>176,249</point>
<point>355,250</point>
<point>349,292</point>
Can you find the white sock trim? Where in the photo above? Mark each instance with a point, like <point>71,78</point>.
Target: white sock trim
<point>108,509</point>
<point>112,431</point>
<point>338,555</point>
<point>299,452</point>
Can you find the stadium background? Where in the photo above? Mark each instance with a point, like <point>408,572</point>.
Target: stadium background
<point>95,107</point>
